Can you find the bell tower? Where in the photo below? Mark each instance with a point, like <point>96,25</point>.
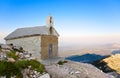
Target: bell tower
<point>49,21</point>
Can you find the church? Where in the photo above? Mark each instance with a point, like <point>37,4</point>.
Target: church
<point>40,41</point>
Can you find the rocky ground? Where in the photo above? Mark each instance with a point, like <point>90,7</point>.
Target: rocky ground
<point>63,69</point>
<point>75,70</point>
<point>15,55</point>
<point>110,65</point>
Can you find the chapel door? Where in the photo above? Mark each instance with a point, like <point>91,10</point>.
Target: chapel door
<point>50,50</point>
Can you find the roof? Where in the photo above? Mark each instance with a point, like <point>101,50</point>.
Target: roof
<point>29,31</point>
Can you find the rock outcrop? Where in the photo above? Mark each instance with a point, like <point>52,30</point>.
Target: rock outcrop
<point>14,57</point>
<point>113,62</point>
<point>75,70</point>
<point>31,68</point>
<point>110,65</point>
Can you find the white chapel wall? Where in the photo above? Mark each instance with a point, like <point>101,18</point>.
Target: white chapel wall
<point>30,44</point>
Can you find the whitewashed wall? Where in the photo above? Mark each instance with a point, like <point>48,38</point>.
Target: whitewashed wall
<point>30,44</point>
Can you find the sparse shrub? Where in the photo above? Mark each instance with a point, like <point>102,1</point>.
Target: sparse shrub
<point>65,61</point>
<point>33,63</point>
<point>37,66</point>
<point>13,51</point>
<point>22,64</point>
<point>9,69</point>
<point>12,70</point>
<point>40,68</point>
<point>2,68</point>
<point>12,55</point>
<point>62,62</point>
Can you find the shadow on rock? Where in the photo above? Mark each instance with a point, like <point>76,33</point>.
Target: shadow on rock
<point>86,58</point>
<point>102,66</point>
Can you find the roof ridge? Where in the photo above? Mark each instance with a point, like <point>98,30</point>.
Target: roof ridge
<point>31,27</point>
<point>28,31</point>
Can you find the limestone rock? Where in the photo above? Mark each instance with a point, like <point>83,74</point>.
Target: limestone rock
<point>17,53</point>
<point>27,56</point>
<point>113,62</point>
<point>32,58</point>
<point>75,70</point>
<point>11,60</point>
<point>45,76</point>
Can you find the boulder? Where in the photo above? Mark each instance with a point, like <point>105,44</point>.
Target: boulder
<point>17,53</point>
<point>27,56</point>
<point>75,70</point>
<point>11,60</point>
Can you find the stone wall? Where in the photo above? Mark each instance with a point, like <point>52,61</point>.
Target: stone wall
<point>45,41</point>
<point>30,44</point>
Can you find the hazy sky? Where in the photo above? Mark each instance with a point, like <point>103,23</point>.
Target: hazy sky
<point>84,21</point>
